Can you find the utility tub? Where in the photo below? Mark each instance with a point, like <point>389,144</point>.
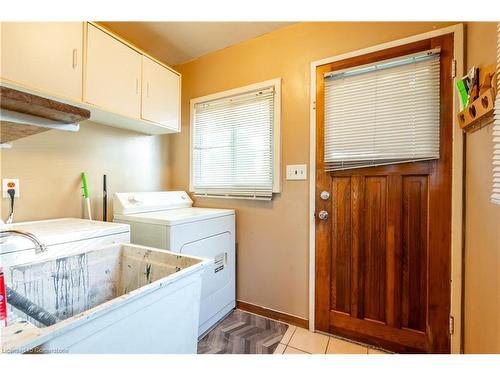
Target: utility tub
<point>121,298</point>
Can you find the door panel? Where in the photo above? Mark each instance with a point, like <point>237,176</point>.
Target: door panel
<point>374,254</point>
<point>383,254</point>
<point>414,251</point>
<point>341,260</point>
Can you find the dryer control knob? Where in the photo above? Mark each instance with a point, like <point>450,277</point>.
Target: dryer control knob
<point>134,200</point>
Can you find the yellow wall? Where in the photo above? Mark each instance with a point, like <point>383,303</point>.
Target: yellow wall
<point>482,246</point>
<point>273,237</point>
<point>49,166</point>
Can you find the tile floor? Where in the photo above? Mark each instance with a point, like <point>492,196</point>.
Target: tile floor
<point>301,341</point>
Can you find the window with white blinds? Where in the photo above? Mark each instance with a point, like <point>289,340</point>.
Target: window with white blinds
<point>235,143</point>
<point>495,196</point>
<point>383,113</point>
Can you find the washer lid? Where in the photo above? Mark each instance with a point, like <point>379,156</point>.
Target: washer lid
<point>175,217</point>
<point>133,203</point>
<point>58,231</point>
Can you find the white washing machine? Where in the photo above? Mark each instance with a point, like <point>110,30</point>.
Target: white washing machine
<point>167,220</point>
<point>62,237</point>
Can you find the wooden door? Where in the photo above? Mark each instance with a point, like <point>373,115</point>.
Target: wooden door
<point>161,90</point>
<point>113,74</point>
<point>44,56</point>
<point>383,256</point>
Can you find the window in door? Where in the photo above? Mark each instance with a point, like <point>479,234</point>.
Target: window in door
<point>383,113</point>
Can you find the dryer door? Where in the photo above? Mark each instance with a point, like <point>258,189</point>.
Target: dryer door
<point>221,273</point>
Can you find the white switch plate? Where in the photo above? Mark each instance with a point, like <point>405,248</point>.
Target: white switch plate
<point>6,185</point>
<point>296,172</point>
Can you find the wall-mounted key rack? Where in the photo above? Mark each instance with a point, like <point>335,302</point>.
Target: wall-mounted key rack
<point>478,111</point>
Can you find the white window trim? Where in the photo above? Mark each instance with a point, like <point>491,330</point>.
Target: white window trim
<point>276,83</point>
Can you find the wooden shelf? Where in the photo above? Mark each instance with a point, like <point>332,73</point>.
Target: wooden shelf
<point>477,111</point>
<point>34,105</point>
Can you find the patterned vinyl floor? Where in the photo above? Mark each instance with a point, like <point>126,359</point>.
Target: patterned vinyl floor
<point>243,333</point>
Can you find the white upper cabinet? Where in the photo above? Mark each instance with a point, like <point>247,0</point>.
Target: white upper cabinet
<point>161,89</point>
<point>83,64</point>
<point>113,74</point>
<point>43,56</point>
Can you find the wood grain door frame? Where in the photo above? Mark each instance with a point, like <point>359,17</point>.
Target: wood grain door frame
<point>457,176</point>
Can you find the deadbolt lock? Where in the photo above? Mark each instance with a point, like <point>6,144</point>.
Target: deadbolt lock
<point>324,195</point>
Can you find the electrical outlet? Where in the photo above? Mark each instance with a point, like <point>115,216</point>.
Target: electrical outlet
<point>296,172</point>
<point>10,183</point>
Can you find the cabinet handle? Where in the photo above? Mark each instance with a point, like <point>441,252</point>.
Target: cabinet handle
<point>75,58</point>
<point>137,85</point>
<point>147,89</point>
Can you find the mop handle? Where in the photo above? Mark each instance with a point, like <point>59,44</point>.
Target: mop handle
<point>86,194</point>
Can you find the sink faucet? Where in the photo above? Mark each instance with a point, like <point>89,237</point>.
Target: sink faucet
<point>39,247</point>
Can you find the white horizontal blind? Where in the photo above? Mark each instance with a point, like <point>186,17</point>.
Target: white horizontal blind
<point>495,196</point>
<point>232,152</point>
<point>383,113</point>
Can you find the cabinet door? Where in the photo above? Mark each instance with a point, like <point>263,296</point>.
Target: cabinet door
<point>113,74</point>
<point>161,89</point>
<point>44,56</point>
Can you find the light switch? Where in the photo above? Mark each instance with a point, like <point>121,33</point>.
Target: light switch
<point>296,172</point>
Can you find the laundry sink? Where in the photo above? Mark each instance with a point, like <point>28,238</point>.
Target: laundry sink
<point>121,298</point>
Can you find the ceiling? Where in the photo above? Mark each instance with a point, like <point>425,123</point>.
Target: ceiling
<point>178,42</point>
